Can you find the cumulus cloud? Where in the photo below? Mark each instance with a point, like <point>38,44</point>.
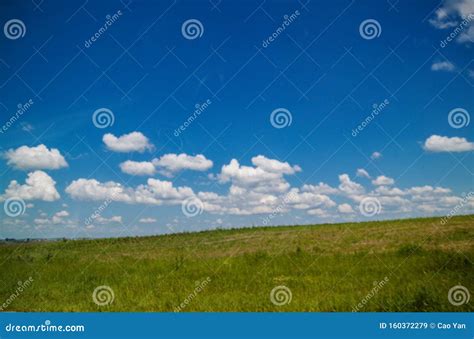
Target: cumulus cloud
<point>274,166</point>
<point>266,176</point>
<point>362,173</point>
<point>345,208</point>
<point>38,186</point>
<point>262,189</point>
<point>155,192</point>
<point>443,66</point>
<point>436,143</point>
<point>132,142</point>
<point>321,188</point>
<point>459,14</point>
<point>58,218</point>
<point>319,212</point>
<point>382,180</point>
<point>376,155</point>
<point>103,221</point>
<point>172,163</point>
<point>39,157</point>
<point>137,167</point>
<point>349,187</point>
<point>147,220</point>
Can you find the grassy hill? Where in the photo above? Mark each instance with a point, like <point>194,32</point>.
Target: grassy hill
<point>401,265</point>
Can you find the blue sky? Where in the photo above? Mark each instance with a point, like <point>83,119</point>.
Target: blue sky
<point>320,69</point>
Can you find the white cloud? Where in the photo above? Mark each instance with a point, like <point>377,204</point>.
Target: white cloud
<point>362,173</point>
<point>265,177</point>
<point>384,190</point>
<point>274,166</point>
<point>345,208</point>
<point>349,187</point>
<point>321,188</point>
<point>436,143</point>
<point>38,186</point>
<point>171,163</point>
<point>382,180</point>
<point>376,155</point>
<point>305,200</point>
<point>39,157</point>
<point>459,14</point>
<point>261,189</point>
<point>103,221</point>
<point>132,142</point>
<point>137,167</point>
<point>443,66</point>
<point>318,212</point>
<point>155,192</point>
<point>147,220</point>
<point>58,217</point>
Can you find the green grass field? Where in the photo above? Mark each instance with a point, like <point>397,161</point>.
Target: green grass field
<point>326,268</point>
